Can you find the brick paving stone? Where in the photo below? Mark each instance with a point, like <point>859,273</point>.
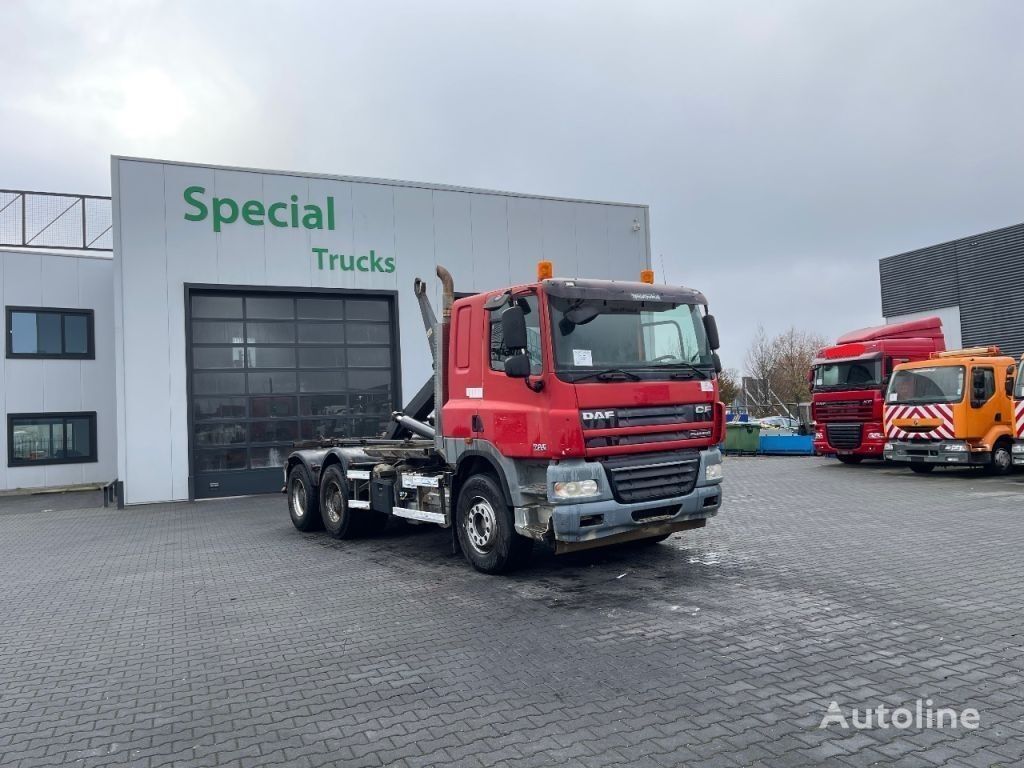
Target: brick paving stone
<point>213,633</point>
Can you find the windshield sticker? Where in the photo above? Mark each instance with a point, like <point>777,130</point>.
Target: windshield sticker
<point>582,357</point>
<point>893,397</point>
<point>707,386</point>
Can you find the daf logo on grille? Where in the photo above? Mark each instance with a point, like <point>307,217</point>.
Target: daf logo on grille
<point>597,415</point>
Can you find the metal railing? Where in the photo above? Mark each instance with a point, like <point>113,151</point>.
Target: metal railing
<point>55,220</point>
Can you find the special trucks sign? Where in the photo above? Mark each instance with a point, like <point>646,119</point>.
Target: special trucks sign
<point>222,211</point>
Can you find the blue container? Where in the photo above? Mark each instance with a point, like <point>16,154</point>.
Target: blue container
<point>786,445</point>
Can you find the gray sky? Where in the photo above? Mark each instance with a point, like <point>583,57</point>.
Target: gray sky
<point>783,146</point>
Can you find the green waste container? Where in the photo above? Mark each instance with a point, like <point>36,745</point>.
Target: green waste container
<point>742,437</point>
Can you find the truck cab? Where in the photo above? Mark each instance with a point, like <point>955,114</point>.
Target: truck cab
<point>1018,409</point>
<point>955,408</point>
<point>848,379</point>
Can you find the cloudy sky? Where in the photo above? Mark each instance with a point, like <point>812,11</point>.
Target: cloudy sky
<point>784,147</point>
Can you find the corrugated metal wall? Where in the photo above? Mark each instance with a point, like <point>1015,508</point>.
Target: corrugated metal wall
<point>982,274</point>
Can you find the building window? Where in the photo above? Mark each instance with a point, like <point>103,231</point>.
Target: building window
<point>43,332</point>
<point>51,438</point>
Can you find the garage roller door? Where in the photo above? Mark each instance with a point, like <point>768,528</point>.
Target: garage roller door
<point>268,369</point>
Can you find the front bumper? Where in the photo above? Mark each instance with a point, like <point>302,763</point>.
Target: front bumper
<point>602,520</point>
<point>1018,453</point>
<point>934,452</point>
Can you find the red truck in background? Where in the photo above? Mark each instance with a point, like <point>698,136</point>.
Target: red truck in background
<point>848,383</point>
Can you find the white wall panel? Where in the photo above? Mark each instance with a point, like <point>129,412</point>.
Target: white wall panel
<point>144,347</point>
<point>525,237</point>
<point>558,229</point>
<point>414,257</point>
<point>489,228</point>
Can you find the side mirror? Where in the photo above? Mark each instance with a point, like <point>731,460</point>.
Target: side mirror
<point>711,331</point>
<point>1010,381</point>
<point>717,361</point>
<point>513,328</point>
<point>517,366</point>
<point>810,376</point>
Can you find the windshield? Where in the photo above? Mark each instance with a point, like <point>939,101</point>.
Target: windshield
<point>650,340</point>
<point>852,374</point>
<point>927,385</point>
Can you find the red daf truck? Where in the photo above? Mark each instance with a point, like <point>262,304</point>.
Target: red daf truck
<point>848,382</point>
<point>581,413</point>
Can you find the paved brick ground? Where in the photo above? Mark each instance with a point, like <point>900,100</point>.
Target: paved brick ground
<point>216,634</point>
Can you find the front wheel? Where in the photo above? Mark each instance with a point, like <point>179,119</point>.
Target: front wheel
<point>1001,462</point>
<point>922,469</point>
<point>486,528</point>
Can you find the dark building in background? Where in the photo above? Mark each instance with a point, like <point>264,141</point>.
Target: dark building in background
<point>975,284</point>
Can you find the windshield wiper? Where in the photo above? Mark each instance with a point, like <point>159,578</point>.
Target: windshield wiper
<point>608,374</point>
<point>689,375</point>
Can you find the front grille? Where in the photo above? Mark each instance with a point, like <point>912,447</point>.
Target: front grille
<point>843,409</point>
<point>652,476</point>
<point>647,416</point>
<point>647,437</point>
<point>844,435</point>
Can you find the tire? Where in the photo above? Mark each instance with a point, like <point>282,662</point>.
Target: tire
<point>922,469</point>
<point>334,510</point>
<point>303,501</point>
<point>486,528</point>
<point>850,459</point>
<point>1001,462</point>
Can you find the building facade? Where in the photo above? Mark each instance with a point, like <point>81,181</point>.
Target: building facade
<point>254,309</point>
<point>244,310</point>
<point>975,284</point>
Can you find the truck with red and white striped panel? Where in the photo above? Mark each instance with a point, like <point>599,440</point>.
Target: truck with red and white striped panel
<point>1018,419</point>
<point>956,408</point>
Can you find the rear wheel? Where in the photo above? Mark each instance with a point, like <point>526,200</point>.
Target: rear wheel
<point>486,528</point>
<point>922,469</point>
<point>334,509</point>
<point>1001,462</point>
<point>303,503</point>
<point>850,459</point>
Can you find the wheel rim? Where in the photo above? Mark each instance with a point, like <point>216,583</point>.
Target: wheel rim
<point>481,525</point>
<point>299,498</point>
<point>1002,458</point>
<point>335,503</point>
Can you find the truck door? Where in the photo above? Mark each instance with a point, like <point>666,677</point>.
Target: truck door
<point>985,406</point>
<point>511,414</point>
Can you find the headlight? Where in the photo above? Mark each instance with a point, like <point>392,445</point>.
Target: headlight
<point>575,489</point>
<point>956,447</point>
<point>1018,447</point>
<point>713,472</point>
<point>887,447</point>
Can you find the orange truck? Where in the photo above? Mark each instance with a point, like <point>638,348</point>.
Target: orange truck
<point>956,408</point>
<point>1018,395</point>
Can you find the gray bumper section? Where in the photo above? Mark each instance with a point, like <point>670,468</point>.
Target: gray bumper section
<point>601,520</point>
